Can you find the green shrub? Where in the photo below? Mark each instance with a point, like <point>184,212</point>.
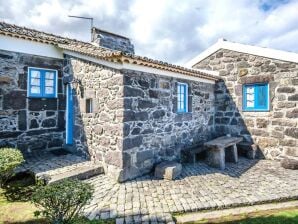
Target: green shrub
<point>9,159</point>
<point>62,202</point>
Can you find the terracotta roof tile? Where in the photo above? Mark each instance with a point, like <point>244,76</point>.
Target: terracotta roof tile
<point>95,51</point>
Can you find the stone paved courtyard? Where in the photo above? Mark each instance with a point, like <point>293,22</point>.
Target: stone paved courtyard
<point>148,200</point>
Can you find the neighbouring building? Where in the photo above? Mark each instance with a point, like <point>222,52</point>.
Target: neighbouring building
<point>100,100</point>
<point>257,95</point>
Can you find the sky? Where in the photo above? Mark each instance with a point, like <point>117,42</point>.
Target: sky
<point>170,30</point>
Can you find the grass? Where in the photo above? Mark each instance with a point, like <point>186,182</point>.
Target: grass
<point>287,216</point>
<point>16,208</point>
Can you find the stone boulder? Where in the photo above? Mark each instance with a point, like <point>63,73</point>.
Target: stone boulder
<point>168,170</point>
<point>290,163</point>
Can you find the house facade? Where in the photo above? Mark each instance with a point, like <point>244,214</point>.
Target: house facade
<point>257,96</point>
<point>100,100</point>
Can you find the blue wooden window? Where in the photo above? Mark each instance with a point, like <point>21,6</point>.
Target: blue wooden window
<point>182,91</point>
<point>256,97</point>
<point>42,83</point>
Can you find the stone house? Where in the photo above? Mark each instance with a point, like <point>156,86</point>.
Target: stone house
<point>103,102</point>
<point>256,96</point>
<point>99,100</point>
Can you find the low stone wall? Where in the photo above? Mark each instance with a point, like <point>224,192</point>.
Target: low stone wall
<point>276,131</point>
<point>153,130</point>
<point>29,123</point>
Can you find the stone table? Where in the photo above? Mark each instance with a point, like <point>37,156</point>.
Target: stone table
<point>216,151</point>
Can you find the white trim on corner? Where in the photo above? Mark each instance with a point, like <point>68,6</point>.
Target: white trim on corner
<point>29,47</point>
<point>140,68</point>
<point>244,48</point>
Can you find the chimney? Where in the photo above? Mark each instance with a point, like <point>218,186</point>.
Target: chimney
<point>111,40</point>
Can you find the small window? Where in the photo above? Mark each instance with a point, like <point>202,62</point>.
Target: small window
<point>256,97</point>
<point>182,92</point>
<point>89,106</point>
<point>42,83</point>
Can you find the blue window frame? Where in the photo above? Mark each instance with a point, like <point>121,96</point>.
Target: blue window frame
<point>256,97</point>
<point>182,95</point>
<point>42,83</point>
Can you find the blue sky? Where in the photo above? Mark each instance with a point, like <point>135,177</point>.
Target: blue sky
<point>170,30</point>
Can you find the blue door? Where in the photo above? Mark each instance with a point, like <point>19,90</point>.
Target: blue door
<point>69,115</point>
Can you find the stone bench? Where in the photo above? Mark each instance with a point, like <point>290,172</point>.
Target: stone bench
<point>217,153</point>
<point>248,149</point>
<point>168,170</point>
<point>195,151</point>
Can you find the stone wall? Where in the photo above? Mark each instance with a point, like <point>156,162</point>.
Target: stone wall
<point>275,131</point>
<point>153,130</point>
<point>112,41</point>
<point>99,134</point>
<point>29,123</point>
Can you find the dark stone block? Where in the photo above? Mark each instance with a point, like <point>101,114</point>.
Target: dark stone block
<point>289,163</point>
<point>229,114</point>
<point>141,116</point>
<point>127,80</point>
<point>126,129</point>
<point>49,123</point>
<point>147,131</point>
<point>234,122</point>
<point>50,113</point>
<point>286,89</point>
<point>10,134</point>
<point>133,92</point>
<point>15,100</point>
<point>127,103</point>
<point>128,115</point>
<point>61,120</point>
<point>158,114</point>
<point>55,143</point>
<point>293,97</point>
<point>129,143</point>
<point>144,104</point>
<point>37,104</point>
<point>144,155</point>
<point>136,131</point>
<point>5,56</point>
<point>224,120</point>
<point>22,121</point>
<point>153,93</point>
<point>22,82</point>
<point>126,160</point>
<point>62,102</point>
<point>33,124</point>
<point>60,86</point>
<point>143,83</point>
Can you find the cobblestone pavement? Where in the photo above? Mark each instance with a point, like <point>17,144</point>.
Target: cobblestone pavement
<point>148,200</point>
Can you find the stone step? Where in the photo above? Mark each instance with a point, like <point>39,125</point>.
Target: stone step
<point>80,172</point>
<point>290,162</point>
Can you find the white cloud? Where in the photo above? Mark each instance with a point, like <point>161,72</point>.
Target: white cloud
<point>171,30</point>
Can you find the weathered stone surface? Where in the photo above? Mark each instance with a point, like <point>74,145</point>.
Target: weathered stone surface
<point>19,125</point>
<point>285,89</point>
<point>293,97</point>
<point>292,114</point>
<point>289,163</point>
<point>168,170</point>
<point>293,132</point>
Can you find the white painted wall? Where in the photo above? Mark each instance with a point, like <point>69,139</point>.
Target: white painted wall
<point>29,47</point>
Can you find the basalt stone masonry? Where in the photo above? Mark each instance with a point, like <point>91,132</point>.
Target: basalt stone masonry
<point>29,123</point>
<point>153,130</point>
<point>98,134</point>
<point>134,123</point>
<point>275,131</point>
